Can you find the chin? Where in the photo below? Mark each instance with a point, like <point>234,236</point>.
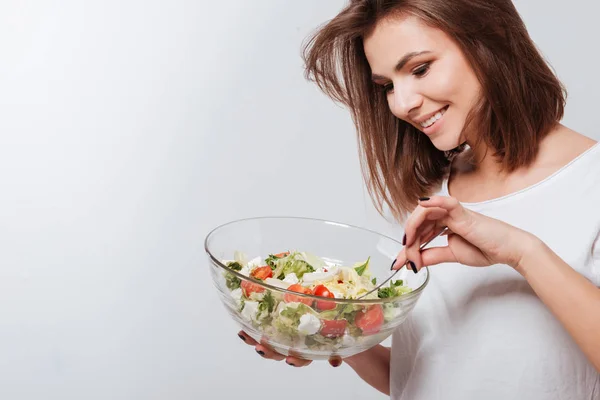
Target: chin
<point>445,142</point>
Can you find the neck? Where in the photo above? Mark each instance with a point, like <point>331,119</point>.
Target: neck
<point>485,165</point>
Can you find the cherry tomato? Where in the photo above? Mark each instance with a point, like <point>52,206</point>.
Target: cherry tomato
<point>249,287</point>
<point>262,273</point>
<point>290,298</point>
<point>333,328</point>
<point>322,291</point>
<point>370,320</point>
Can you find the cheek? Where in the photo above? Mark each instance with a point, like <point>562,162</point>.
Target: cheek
<point>442,86</point>
<point>469,86</point>
<point>454,82</point>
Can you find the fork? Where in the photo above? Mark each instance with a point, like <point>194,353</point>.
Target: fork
<point>422,247</point>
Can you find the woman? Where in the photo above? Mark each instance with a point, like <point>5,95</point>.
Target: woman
<point>458,117</point>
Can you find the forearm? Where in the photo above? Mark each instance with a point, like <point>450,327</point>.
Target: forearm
<point>577,306</point>
<point>373,366</point>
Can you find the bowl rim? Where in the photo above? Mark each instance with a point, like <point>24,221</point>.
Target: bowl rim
<point>405,296</point>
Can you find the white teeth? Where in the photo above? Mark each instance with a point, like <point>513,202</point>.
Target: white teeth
<point>433,119</point>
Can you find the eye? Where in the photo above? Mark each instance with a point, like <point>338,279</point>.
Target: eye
<point>421,70</point>
<point>388,88</point>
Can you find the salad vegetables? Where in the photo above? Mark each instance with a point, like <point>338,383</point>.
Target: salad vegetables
<point>298,320</point>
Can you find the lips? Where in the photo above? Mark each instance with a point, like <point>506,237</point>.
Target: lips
<point>433,118</point>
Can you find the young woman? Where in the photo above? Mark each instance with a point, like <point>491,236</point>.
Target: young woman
<point>459,121</point>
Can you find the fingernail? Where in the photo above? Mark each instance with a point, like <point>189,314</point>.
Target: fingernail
<point>424,199</point>
<point>413,267</point>
<point>404,241</point>
<point>336,363</point>
<point>241,337</point>
<point>262,353</point>
<point>289,363</point>
<point>393,263</point>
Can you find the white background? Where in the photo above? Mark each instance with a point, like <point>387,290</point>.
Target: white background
<point>128,129</point>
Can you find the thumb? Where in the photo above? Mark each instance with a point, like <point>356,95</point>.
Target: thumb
<point>335,361</point>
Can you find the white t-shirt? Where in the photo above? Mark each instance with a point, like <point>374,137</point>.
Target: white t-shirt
<point>482,333</point>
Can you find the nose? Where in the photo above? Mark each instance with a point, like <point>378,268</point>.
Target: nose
<point>404,100</point>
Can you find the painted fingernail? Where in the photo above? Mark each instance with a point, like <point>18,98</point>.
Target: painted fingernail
<point>262,353</point>
<point>292,364</point>
<point>393,263</point>
<point>404,241</point>
<point>424,199</point>
<point>241,337</point>
<point>413,266</point>
<point>336,363</point>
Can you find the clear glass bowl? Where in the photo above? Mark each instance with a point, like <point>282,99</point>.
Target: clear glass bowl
<point>359,327</point>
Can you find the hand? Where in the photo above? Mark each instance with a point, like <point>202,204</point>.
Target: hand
<point>264,351</point>
<point>473,239</point>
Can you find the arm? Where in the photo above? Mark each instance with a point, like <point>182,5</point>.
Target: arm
<point>373,366</point>
<point>479,240</point>
<point>578,305</point>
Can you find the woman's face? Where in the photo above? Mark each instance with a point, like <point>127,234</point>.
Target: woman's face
<point>428,81</point>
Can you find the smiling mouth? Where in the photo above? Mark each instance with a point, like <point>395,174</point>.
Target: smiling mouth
<point>433,119</point>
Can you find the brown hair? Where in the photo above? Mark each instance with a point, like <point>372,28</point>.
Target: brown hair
<point>521,99</point>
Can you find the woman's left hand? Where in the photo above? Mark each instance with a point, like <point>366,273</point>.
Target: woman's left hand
<point>473,239</point>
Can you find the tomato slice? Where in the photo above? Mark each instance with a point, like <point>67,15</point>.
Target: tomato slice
<point>249,287</point>
<point>262,273</point>
<point>333,328</point>
<point>370,320</point>
<point>281,255</point>
<point>290,298</point>
<point>322,291</point>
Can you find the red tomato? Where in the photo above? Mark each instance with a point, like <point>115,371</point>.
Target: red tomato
<point>370,320</point>
<point>322,291</point>
<point>249,287</point>
<point>290,298</point>
<point>262,273</point>
<point>333,328</point>
<point>281,255</point>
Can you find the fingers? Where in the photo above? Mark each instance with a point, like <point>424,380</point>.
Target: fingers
<point>297,362</point>
<point>449,204</point>
<point>266,351</point>
<point>400,260</point>
<point>419,218</point>
<point>437,255</point>
<point>458,219</point>
<point>246,338</point>
<point>263,350</point>
<point>413,254</point>
<point>335,361</point>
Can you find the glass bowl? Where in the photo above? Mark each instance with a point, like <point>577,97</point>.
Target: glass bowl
<point>275,316</point>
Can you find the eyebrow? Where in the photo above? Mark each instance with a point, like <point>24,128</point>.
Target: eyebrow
<point>403,61</point>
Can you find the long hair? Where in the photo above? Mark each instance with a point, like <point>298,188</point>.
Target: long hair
<point>521,98</point>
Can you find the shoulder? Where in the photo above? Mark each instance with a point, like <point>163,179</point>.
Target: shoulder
<point>569,154</point>
<point>563,146</point>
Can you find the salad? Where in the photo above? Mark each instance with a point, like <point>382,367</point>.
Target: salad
<point>296,320</point>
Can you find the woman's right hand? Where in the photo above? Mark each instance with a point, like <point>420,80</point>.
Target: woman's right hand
<point>265,352</point>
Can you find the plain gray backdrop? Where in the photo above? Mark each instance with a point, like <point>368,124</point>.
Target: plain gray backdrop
<point>128,129</point>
